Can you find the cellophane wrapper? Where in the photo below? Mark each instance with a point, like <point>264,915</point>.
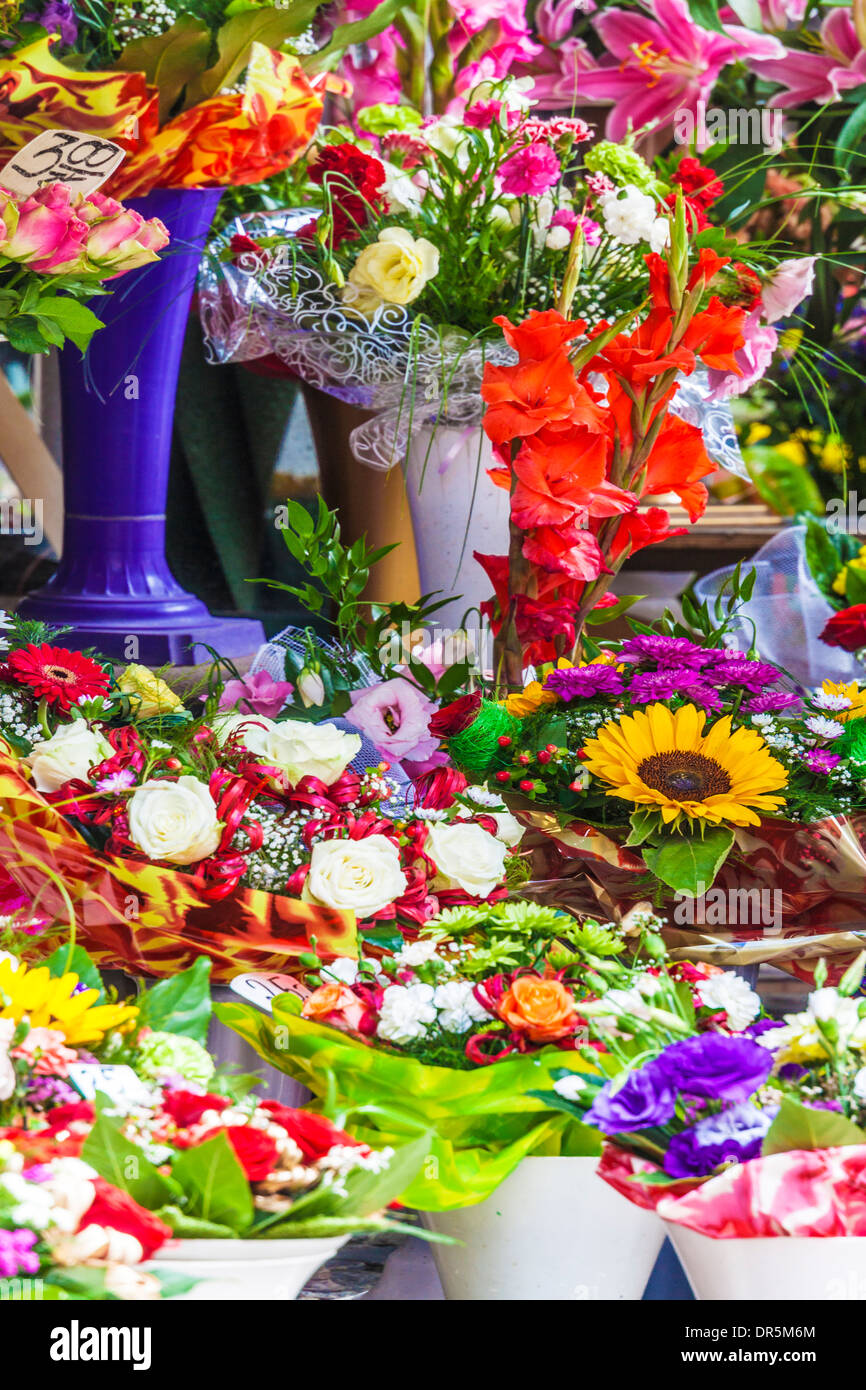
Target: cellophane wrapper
<point>136,916</point>
<point>803,1192</point>
<point>411,372</point>
<point>793,893</point>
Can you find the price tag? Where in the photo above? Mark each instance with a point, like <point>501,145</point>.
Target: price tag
<point>263,987</point>
<point>119,1083</point>
<point>64,156</point>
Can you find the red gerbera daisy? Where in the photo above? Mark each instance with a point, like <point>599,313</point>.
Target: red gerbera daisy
<point>60,676</point>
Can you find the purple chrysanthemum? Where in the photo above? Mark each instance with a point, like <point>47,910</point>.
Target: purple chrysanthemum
<point>585,682</point>
<point>678,680</point>
<point>665,651</point>
<point>736,669</point>
<point>773,702</point>
<point>821,760</point>
<point>45,1091</point>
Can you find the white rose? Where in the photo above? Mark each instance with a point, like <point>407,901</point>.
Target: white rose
<point>732,994</point>
<point>458,1007</point>
<point>252,731</point>
<point>569,1087</point>
<point>466,857</point>
<point>828,1006</point>
<point>508,828</point>
<point>175,821</point>
<point>406,1013</point>
<point>71,752</point>
<point>311,688</point>
<point>311,750</point>
<point>361,876</point>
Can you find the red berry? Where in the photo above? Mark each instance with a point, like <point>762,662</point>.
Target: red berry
<point>527,785</point>
<point>173,763</point>
<point>575,786</point>
<point>504,741</point>
<point>552,748</point>
<point>544,756</point>
<point>503,776</point>
<point>524,759</point>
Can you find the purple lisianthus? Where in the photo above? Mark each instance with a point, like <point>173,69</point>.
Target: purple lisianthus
<point>665,651</point>
<point>716,1067</point>
<point>394,715</point>
<point>735,1135</point>
<point>16,1253</point>
<point>58,17</point>
<point>585,682</point>
<point>644,1100</point>
<point>821,760</point>
<point>256,693</point>
<point>735,669</point>
<point>761,1026</point>
<point>773,702</point>
<point>45,1091</point>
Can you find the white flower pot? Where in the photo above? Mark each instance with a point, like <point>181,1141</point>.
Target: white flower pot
<point>771,1267</point>
<point>456,510</point>
<point>552,1230</point>
<point>248,1270</point>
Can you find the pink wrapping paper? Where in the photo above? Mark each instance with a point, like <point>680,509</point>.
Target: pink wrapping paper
<point>815,1192</point>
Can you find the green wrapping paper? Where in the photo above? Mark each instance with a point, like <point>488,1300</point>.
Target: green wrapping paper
<point>483,1121</point>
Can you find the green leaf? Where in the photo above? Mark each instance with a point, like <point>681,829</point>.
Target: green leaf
<point>855,586</point>
<point>77,320</point>
<point>849,143</point>
<point>643,824</point>
<point>345,35</point>
<point>214,1184</point>
<point>124,1164</point>
<point>688,863</point>
<point>24,334</point>
<point>75,959</point>
<point>265,25</point>
<point>361,1193</point>
<point>193,1227</point>
<point>821,556</point>
<point>169,60</point>
<point>784,485</point>
<point>180,1004</point>
<point>799,1127</point>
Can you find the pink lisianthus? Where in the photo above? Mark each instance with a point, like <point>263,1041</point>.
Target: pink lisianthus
<point>753,359</point>
<point>821,76</point>
<point>257,693</point>
<point>49,235</point>
<point>394,716</point>
<point>790,283</point>
<point>46,1053</point>
<point>530,171</point>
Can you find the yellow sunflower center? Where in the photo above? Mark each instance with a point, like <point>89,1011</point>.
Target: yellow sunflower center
<point>684,776</point>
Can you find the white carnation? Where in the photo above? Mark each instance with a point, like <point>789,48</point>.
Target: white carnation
<point>406,1013</point>
<point>733,995</point>
<point>458,1007</point>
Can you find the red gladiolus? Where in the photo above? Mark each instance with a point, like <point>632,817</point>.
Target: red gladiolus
<point>541,335</point>
<point>847,629</point>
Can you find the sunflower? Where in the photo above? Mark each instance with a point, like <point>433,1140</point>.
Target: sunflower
<point>57,675</point>
<point>58,1002</point>
<point>660,757</point>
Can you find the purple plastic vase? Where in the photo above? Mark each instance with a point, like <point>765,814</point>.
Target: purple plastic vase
<point>113,584</point>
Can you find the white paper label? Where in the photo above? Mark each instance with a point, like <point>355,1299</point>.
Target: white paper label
<point>119,1083</point>
<point>62,156</point>
<point>263,987</point>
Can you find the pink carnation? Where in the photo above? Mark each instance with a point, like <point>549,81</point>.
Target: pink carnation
<point>530,171</point>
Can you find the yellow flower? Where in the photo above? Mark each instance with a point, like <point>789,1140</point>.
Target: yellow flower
<point>757,432</point>
<point>149,693</point>
<point>50,1001</point>
<point>660,757</point>
<point>852,691</point>
<point>396,267</point>
<point>794,451</point>
<point>533,695</point>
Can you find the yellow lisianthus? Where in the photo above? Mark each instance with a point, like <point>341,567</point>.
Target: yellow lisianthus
<point>50,1001</point>
<point>149,693</point>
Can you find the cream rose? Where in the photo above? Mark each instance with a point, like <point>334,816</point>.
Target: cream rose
<point>396,267</point>
<point>149,693</point>
<point>360,876</point>
<point>466,856</point>
<point>71,752</point>
<point>174,821</point>
<point>253,731</point>
<point>312,750</point>
<point>508,828</point>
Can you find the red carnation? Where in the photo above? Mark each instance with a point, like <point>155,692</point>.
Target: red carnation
<point>60,676</point>
<point>355,182</point>
<point>186,1108</point>
<point>314,1134</point>
<point>847,629</point>
<point>117,1211</point>
<point>454,718</point>
<point>700,185</point>
<point>256,1151</point>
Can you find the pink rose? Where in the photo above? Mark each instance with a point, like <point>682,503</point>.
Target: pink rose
<point>120,239</point>
<point>257,693</point>
<point>49,235</point>
<point>790,283</point>
<point>45,1050</point>
<point>530,170</point>
<point>394,716</point>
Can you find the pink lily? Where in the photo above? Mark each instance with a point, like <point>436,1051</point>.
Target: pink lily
<point>819,77</point>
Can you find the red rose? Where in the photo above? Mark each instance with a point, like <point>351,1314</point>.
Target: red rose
<point>314,1135</point>
<point>242,245</point>
<point>847,629</point>
<point>62,1116</point>
<point>186,1108</point>
<point>117,1210</point>
<point>256,1152</point>
<point>454,718</point>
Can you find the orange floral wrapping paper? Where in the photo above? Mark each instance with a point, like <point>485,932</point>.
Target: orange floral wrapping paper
<point>793,893</point>
<point>226,141</point>
<point>139,917</point>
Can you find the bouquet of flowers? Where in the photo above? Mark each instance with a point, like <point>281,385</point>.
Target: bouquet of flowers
<point>57,248</point>
<point>465,1031</point>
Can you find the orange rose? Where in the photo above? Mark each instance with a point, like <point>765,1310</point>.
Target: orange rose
<point>336,1004</point>
<point>542,1009</point>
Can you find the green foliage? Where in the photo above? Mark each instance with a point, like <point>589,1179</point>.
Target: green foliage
<point>180,1004</point>
<point>798,1126</point>
<point>689,863</point>
<point>124,1164</point>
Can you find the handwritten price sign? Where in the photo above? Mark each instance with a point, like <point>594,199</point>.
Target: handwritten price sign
<point>62,156</point>
<point>118,1082</point>
<point>261,988</point>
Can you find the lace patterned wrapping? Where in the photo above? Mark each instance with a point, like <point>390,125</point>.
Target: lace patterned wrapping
<point>788,612</point>
<point>411,373</point>
<point>790,893</point>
